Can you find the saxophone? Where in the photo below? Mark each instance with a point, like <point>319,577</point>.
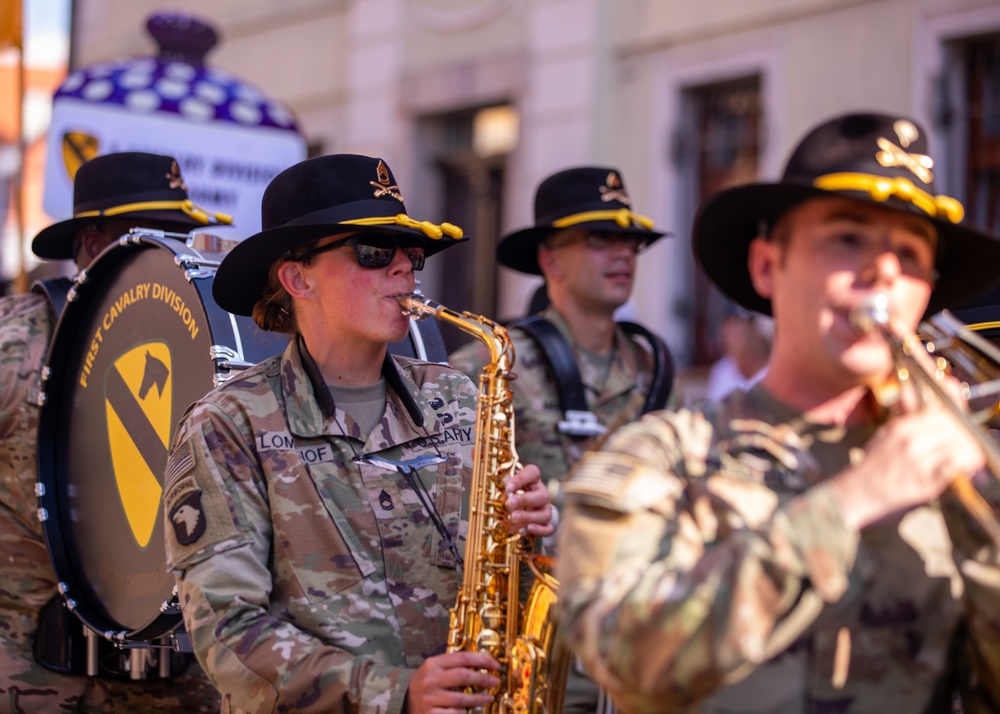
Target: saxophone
<point>487,616</point>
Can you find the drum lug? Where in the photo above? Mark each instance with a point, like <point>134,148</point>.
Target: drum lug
<point>169,608</point>
<point>39,489</point>
<point>43,514</point>
<point>181,641</point>
<point>74,292</point>
<point>195,267</point>
<point>63,589</point>
<point>227,361</point>
<point>173,605</point>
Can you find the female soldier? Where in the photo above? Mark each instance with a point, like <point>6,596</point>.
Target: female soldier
<point>315,504</point>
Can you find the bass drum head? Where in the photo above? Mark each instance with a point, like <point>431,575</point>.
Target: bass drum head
<point>132,349</point>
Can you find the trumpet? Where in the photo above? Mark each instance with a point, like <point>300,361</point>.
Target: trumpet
<point>952,348</point>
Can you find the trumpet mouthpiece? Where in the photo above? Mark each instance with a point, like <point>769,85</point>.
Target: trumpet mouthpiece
<point>871,314</point>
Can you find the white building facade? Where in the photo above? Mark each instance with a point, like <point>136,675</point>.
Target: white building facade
<point>473,102</point>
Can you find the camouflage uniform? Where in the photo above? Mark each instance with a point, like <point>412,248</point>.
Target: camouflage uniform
<point>615,400</point>
<point>27,580</point>
<point>705,567</point>
<point>310,582</point>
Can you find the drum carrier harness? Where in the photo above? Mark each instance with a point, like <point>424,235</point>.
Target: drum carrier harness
<point>578,421</point>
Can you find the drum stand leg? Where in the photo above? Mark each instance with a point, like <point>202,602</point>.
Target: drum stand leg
<point>137,663</point>
<point>91,637</point>
<point>165,651</point>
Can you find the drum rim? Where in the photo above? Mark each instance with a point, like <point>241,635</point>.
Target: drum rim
<point>86,605</point>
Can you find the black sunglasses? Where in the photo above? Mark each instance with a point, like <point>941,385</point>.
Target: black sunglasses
<point>373,250</point>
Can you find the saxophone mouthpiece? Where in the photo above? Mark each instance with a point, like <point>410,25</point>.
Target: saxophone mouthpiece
<point>404,302</point>
<point>417,306</point>
<point>411,305</point>
<point>871,314</point>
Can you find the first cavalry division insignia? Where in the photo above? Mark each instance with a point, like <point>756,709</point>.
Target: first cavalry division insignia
<point>138,407</point>
<point>78,148</point>
<point>613,190</point>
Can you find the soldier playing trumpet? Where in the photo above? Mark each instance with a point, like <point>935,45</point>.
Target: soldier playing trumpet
<point>794,549</point>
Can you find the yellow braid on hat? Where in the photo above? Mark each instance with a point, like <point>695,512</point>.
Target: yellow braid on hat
<point>431,230</point>
<point>882,188</point>
<point>622,216</point>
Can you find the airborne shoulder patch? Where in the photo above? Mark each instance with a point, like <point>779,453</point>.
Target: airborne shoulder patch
<point>188,518</point>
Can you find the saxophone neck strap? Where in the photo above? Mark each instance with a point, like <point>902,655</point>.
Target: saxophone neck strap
<point>580,421</point>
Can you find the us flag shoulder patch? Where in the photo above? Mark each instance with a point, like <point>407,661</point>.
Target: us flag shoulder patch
<point>181,461</point>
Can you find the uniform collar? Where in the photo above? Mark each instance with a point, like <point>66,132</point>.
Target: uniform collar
<point>624,368</point>
<point>310,407</point>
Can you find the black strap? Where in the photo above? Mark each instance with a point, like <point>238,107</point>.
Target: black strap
<point>55,290</point>
<point>663,366</point>
<point>559,353</point>
<point>562,362</point>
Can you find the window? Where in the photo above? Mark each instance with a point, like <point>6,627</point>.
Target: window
<point>981,64</point>
<point>717,148</point>
<point>468,151</point>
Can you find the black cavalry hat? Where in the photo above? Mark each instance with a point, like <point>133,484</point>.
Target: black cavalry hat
<point>129,185</point>
<point>589,197</point>
<point>983,314</point>
<point>315,198</point>
<point>877,158</point>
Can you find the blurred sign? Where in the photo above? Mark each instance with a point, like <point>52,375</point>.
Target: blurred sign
<point>228,137</point>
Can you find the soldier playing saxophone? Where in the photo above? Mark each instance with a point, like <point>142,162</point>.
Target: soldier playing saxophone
<point>317,504</point>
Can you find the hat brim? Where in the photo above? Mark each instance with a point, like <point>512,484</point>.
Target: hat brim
<point>56,241</point>
<point>519,250</point>
<point>243,274</point>
<point>967,261</point>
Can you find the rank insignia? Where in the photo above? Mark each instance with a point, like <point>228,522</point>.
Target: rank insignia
<point>382,187</point>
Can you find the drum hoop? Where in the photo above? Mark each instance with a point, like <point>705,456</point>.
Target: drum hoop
<point>75,589</point>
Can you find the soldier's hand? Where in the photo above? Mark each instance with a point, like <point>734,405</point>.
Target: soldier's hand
<point>436,687</point>
<point>910,461</point>
<point>529,503</point>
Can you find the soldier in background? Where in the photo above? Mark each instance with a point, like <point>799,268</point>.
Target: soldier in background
<point>578,371</point>
<point>316,505</point>
<point>585,242</point>
<point>795,548</point>
<point>111,194</point>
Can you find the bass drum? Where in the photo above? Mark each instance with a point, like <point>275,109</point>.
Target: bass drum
<point>140,338</point>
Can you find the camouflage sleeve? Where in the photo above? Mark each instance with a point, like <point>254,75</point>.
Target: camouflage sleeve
<point>978,560</point>
<point>667,592</point>
<point>23,339</point>
<point>470,359</point>
<point>258,661</point>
